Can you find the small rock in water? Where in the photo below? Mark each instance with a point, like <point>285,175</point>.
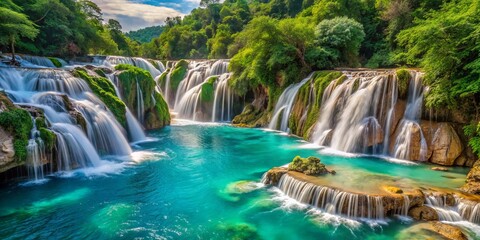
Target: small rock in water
<point>393,189</point>
<point>423,213</point>
<point>442,169</point>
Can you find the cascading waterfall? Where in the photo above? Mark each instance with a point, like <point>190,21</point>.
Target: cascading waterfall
<point>160,65</point>
<point>39,61</point>
<point>332,201</point>
<point>187,98</point>
<point>134,128</point>
<point>74,149</point>
<point>111,61</point>
<point>167,89</point>
<point>102,130</point>
<point>35,154</point>
<point>353,113</point>
<point>51,90</point>
<point>140,104</point>
<point>457,210</point>
<point>284,106</point>
<point>223,100</point>
<point>187,107</point>
<point>194,77</point>
<point>410,121</point>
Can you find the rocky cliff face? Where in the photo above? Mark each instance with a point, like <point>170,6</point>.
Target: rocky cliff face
<point>374,112</point>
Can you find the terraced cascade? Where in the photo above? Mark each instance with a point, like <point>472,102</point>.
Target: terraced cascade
<point>199,91</point>
<point>96,153</point>
<point>187,172</point>
<point>61,119</point>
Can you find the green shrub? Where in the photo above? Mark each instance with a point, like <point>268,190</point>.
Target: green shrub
<point>309,166</point>
<point>403,79</point>
<point>49,138</point>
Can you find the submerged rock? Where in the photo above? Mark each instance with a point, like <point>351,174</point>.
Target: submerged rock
<point>442,169</point>
<point>239,231</point>
<point>432,230</point>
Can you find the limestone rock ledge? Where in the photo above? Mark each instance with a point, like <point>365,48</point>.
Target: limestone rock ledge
<point>7,152</point>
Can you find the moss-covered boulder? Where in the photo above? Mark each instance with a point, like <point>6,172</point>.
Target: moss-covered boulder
<point>56,62</point>
<point>156,113</point>
<point>308,102</point>
<point>105,91</point>
<point>178,74</point>
<point>18,123</point>
<point>403,81</point>
<point>308,166</point>
<point>208,90</point>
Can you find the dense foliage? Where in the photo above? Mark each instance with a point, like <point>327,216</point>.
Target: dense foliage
<point>18,122</point>
<point>63,28</point>
<point>145,35</point>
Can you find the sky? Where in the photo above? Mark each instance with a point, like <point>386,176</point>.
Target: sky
<point>136,14</point>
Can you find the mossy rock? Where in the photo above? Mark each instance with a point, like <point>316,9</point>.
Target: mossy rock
<point>5,102</point>
<point>239,231</point>
<point>105,91</point>
<point>178,74</point>
<point>18,123</point>
<point>207,93</point>
<point>55,62</point>
<point>49,138</point>
<point>158,116</point>
<point>156,113</point>
<point>163,78</point>
<point>308,166</point>
<point>403,80</point>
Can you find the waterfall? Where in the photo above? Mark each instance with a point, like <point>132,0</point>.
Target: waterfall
<point>74,150</point>
<point>36,61</point>
<point>134,128</point>
<point>187,97</point>
<point>410,121</point>
<point>160,65</point>
<point>146,65</point>
<point>140,104</point>
<point>331,200</point>
<point>104,132</point>
<point>167,88</point>
<point>223,100</point>
<point>352,113</point>
<point>194,77</point>
<point>458,210</point>
<point>284,106</point>
<point>35,154</point>
<point>142,63</point>
<point>66,100</point>
<point>187,107</point>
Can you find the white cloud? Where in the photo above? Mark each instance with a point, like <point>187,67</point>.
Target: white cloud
<point>133,15</point>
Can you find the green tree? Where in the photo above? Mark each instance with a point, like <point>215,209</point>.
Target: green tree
<point>13,26</point>
<point>342,36</point>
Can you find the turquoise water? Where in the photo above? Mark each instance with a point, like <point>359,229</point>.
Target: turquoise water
<point>192,182</point>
